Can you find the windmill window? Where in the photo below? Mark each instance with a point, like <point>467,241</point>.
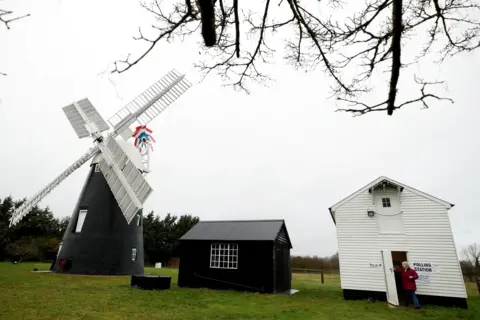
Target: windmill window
<point>386,202</point>
<point>60,248</point>
<point>97,168</point>
<point>224,256</point>
<point>138,220</point>
<point>134,254</point>
<point>80,220</point>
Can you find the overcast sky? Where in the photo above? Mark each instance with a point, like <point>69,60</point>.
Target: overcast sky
<point>280,153</point>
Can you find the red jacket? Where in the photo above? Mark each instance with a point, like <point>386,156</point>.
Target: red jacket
<point>407,283</point>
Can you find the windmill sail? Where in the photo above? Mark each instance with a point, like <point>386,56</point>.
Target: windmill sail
<point>21,211</point>
<point>148,105</point>
<point>80,114</point>
<point>127,184</point>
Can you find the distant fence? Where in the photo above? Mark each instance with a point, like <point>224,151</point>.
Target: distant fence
<point>301,270</point>
<point>470,276</point>
<point>298,270</point>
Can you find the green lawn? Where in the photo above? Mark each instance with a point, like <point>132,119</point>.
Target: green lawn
<point>29,295</point>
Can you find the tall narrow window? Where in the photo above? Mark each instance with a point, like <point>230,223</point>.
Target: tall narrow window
<point>224,256</point>
<point>81,219</point>
<point>134,254</point>
<point>138,220</point>
<point>97,168</point>
<point>60,248</point>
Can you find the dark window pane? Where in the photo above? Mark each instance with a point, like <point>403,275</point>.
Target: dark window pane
<point>386,202</point>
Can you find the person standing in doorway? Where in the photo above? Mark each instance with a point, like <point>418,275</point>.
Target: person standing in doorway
<point>408,283</point>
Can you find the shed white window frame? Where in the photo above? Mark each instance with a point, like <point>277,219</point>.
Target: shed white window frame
<point>224,256</point>
<point>82,215</point>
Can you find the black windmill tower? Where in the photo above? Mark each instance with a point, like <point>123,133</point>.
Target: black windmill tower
<point>105,233</point>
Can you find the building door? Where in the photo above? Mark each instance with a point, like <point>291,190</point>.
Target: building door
<point>398,257</point>
<point>390,284</point>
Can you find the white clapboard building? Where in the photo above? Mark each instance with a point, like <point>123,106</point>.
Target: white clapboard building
<point>387,222</point>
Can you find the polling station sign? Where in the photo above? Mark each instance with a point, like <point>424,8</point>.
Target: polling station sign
<point>425,267</point>
<point>424,271</point>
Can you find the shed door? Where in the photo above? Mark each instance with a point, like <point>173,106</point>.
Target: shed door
<point>392,296</point>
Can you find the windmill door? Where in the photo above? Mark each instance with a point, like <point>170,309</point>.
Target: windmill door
<point>392,295</point>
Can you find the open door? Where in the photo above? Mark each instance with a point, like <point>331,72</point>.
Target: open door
<point>392,295</point>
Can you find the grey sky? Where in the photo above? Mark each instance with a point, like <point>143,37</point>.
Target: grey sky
<point>281,152</point>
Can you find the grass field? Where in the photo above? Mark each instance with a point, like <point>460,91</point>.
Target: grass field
<point>29,295</point>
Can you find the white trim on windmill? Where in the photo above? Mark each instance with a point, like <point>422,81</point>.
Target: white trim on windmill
<point>122,173</point>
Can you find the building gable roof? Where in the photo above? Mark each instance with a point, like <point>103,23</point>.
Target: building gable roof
<point>240,230</point>
<point>381,180</point>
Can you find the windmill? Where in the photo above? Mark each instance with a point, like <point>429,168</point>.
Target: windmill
<point>105,232</point>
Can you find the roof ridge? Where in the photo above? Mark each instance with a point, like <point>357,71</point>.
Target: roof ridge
<point>260,220</point>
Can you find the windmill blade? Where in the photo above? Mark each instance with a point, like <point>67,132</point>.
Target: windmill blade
<point>127,184</point>
<point>25,208</point>
<point>148,105</point>
<point>84,118</point>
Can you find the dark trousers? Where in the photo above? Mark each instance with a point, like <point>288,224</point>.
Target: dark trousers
<point>410,295</point>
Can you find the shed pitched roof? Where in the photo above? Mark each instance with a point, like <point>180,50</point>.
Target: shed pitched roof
<point>241,230</point>
<point>380,180</point>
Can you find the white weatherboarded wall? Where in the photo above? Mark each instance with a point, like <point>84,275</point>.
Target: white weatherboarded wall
<point>427,237</point>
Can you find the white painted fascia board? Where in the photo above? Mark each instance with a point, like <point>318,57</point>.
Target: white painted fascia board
<point>447,204</point>
<point>377,181</point>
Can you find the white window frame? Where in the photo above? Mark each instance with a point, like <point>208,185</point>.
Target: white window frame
<point>82,215</point>
<point>97,168</point>
<point>224,256</point>
<point>387,201</point>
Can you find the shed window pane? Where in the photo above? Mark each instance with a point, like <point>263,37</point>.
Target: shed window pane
<point>81,219</point>
<point>224,256</point>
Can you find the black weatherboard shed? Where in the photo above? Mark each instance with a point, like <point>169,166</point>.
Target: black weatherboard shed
<point>249,255</point>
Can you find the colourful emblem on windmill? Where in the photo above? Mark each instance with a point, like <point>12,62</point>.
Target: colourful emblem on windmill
<point>143,138</point>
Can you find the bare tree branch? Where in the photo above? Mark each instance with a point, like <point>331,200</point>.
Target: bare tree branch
<point>360,108</point>
<point>176,24</point>
<point>350,49</point>
<point>237,28</point>
<point>7,17</point>
<point>396,50</point>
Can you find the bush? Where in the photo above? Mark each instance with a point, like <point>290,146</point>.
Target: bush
<point>33,249</point>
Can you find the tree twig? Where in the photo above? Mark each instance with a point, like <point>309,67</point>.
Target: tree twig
<point>351,49</point>
<point>6,19</point>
